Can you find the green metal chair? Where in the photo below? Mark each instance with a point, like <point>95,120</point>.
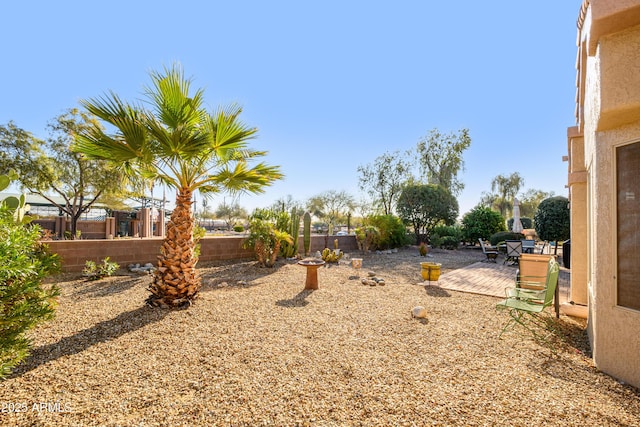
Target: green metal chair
<point>527,301</point>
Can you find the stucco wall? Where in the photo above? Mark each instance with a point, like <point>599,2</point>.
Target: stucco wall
<point>577,180</point>
<point>611,117</point>
<point>619,79</point>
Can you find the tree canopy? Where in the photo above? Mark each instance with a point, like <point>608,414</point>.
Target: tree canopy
<point>506,188</point>
<point>480,223</point>
<point>424,206</point>
<point>553,219</point>
<point>50,168</point>
<point>441,158</point>
<point>383,179</point>
<point>332,207</point>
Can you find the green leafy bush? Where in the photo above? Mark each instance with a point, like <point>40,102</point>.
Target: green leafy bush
<point>265,238</point>
<point>24,300</point>
<point>366,237</point>
<point>450,242</point>
<point>238,228</point>
<point>446,237</point>
<point>94,271</point>
<point>481,222</point>
<point>435,240</point>
<point>392,232</point>
<point>505,235</point>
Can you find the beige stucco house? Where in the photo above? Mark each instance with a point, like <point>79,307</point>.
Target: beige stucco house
<point>604,183</point>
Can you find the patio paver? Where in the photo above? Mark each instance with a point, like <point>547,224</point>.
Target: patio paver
<point>486,278</point>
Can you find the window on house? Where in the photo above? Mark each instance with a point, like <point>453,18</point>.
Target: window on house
<point>628,219</point>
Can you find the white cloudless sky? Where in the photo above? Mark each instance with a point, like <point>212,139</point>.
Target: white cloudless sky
<point>330,85</point>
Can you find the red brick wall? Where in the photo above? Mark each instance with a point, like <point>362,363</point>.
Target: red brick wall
<point>75,253</point>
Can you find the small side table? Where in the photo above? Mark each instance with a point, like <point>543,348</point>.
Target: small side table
<point>312,272</point>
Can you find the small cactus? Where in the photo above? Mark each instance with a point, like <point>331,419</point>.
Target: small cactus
<point>331,256</point>
<point>294,230</point>
<point>307,233</point>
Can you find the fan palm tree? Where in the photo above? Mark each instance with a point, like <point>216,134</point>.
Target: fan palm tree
<point>172,139</point>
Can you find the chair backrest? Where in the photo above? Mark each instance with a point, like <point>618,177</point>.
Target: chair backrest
<point>514,247</point>
<point>528,244</point>
<point>482,245</point>
<point>533,270</point>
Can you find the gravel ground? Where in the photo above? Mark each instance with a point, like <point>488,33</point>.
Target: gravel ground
<point>257,349</point>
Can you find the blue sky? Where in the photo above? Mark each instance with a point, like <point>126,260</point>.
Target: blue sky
<point>330,85</point>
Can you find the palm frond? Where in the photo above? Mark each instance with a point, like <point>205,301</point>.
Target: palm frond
<point>170,97</point>
<point>240,178</point>
<point>228,132</point>
<point>128,120</point>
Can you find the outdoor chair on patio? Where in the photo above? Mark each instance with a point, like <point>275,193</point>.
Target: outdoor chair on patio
<point>527,301</point>
<point>532,268</point>
<point>490,251</point>
<point>514,250</point>
<point>528,246</point>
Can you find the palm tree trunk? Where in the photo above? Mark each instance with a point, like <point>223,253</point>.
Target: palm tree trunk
<point>176,282</point>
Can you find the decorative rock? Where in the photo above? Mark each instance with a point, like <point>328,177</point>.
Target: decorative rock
<point>381,282</point>
<point>419,312</point>
<point>371,274</point>
<point>148,265</point>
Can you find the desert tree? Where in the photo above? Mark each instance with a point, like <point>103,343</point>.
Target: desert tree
<point>506,188</point>
<point>331,207</point>
<point>383,179</point>
<point>50,168</point>
<point>440,157</point>
<point>424,206</point>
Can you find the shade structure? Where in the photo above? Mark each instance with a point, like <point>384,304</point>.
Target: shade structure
<point>517,224</point>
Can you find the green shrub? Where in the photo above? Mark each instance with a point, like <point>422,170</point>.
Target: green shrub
<point>553,219</point>
<point>264,238</point>
<point>435,240</point>
<point>24,300</point>
<point>446,237</point>
<point>94,271</point>
<point>392,232</point>
<point>366,237</point>
<point>481,222</point>
<point>505,235</point>
<point>238,228</point>
<point>450,242</point>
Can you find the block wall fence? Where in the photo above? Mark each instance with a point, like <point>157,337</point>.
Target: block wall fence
<point>75,253</point>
